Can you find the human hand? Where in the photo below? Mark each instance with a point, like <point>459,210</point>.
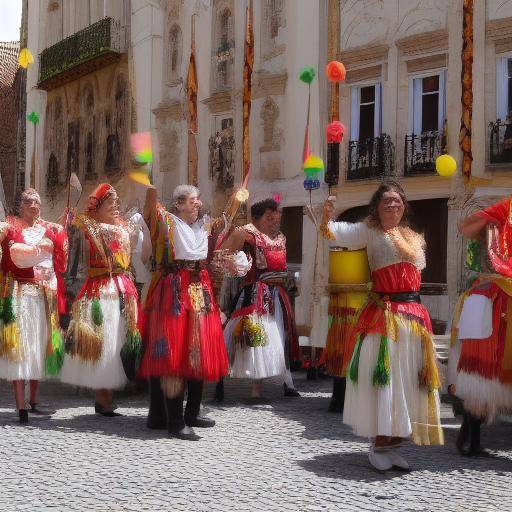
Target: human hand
<point>329,211</point>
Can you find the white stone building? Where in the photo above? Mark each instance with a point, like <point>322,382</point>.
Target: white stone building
<point>402,94</point>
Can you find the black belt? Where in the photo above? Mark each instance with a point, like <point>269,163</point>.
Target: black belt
<point>192,265</point>
<point>401,297</point>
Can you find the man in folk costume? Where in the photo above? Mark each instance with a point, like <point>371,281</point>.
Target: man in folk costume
<point>480,364</point>
<point>184,345</point>
<point>34,254</point>
<point>104,314</point>
<point>260,335</point>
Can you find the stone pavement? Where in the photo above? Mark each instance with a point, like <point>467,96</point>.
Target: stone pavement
<point>287,455</point>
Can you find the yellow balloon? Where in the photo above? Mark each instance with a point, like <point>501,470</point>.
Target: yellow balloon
<point>445,165</point>
<point>25,58</point>
<point>140,177</point>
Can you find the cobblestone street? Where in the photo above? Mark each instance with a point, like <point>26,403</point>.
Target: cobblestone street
<point>287,455</point>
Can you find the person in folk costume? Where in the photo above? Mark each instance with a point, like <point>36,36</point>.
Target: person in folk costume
<point>260,334</point>
<point>34,254</point>
<point>392,377</point>
<point>480,362</point>
<point>104,314</point>
<point>184,345</point>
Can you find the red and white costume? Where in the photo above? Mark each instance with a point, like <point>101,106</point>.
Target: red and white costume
<point>392,378</point>
<point>260,335</point>
<point>183,332</point>
<point>32,295</point>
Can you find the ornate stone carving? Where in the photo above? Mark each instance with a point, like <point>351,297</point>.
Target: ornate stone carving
<point>169,109</point>
<point>222,158</point>
<point>268,84</point>
<point>219,102</point>
<point>427,42</point>
<point>269,114</point>
<point>272,20</point>
<point>364,56</point>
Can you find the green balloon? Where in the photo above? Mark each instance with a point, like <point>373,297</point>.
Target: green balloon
<point>307,74</point>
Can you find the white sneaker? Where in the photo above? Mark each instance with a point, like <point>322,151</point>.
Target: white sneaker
<point>379,460</point>
<point>398,461</point>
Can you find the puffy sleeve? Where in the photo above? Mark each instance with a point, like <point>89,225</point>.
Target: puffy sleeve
<point>498,213</point>
<point>26,256</point>
<point>348,234</point>
<point>59,237</point>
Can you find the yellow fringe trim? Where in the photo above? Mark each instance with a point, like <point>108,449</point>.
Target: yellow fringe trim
<point>10,348</point>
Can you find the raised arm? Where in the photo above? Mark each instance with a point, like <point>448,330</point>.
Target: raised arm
<point>498,214</point>
<point>345,234</point>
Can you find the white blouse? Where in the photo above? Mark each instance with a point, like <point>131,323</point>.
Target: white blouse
<point>379,244</point>
<point>190,242</point>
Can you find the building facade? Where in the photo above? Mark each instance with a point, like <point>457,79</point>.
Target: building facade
<point>401,105</point>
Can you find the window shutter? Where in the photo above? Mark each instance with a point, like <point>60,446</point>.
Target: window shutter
<point>354,113</point>
<point>377,128</point>
<point>502,106</point>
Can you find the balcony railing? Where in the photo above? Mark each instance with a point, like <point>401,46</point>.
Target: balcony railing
<point>500,142</point>
<point>370,158</point>
<point>95,46</point>
<point>421,152</point>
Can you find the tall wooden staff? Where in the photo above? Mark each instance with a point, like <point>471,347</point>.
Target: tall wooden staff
<point>192,89</point>
<point>467,89</point>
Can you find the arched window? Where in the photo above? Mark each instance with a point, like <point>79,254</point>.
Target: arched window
<point>175,53</point>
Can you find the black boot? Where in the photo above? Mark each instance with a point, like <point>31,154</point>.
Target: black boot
<point>219,390</point>
<point>463,436</point>
<point>156,416</point>
<point>176,423</point>
<point>195,395</point>
<point>23,413</point>
<point>338,394</point>
<point>475,448</point>
<point>290,392</point>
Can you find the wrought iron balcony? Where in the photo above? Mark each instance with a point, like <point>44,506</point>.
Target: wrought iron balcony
<point>421,152</point>
<point>500,142</point>
<point>89,49</point>
<point>370,158</point>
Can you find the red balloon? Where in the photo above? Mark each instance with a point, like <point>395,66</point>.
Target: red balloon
<point>335,131</point>
<point>335,71</point>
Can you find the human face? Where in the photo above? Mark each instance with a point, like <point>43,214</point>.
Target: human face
<point>391,209</point>
<point>108,212</point>
<point>270,222</point>
<point>30,208</point>
<point>188,210</point>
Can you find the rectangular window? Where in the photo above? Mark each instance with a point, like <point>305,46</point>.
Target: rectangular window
<point>365,112</point>
<point>503,87</point>
<point>427,103</point>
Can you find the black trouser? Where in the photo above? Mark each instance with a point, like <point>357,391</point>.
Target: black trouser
<point>176,418</point>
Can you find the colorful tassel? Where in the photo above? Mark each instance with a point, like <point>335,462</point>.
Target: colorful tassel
<point>176,291</point>
<point>88,344</point>
<point>55,354</point>
<point>353,372</point>
<point>96,312</point>
<point>131,353</point>
<point>382,372</point>
<point>8,315</point>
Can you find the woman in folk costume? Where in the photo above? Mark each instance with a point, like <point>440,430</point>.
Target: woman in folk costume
<point>392,377</point>
<point>34,254</point>
<point>260,334</point>
<point>104,313</point>
<point>480,364</point>
<point>183,334</point>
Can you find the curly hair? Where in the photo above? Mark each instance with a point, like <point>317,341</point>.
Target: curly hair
<point>373,219</point>
<point>22,194</point>
<point>259,209</point>
<point>180,194</point>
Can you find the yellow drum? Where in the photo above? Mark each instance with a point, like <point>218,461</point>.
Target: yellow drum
<point>348,267</point>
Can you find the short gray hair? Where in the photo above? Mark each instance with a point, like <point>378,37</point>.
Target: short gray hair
<point>182,192</point>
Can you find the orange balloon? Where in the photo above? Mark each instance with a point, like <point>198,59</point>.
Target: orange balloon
<point>335,71</point>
